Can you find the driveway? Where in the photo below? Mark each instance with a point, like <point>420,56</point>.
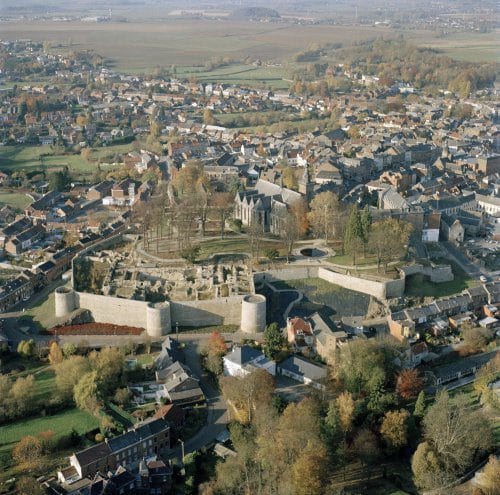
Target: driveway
<point>292,390</point>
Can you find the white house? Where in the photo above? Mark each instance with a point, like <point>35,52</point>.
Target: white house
<point>243,360</point>
<point>488,204</point>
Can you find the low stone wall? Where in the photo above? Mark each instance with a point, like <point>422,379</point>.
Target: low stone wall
<point>436,273</point>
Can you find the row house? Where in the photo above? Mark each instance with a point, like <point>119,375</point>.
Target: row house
<point>402,324</point>
<point>17,290</point>
<point>146,439</point>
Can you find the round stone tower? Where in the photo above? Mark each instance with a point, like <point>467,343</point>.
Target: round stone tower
<point>65,301</point>
<point>253,313</point>
<point>158,319</point>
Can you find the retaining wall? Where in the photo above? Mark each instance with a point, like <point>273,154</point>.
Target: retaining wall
<point>381,290</point>
<point>296,273</point>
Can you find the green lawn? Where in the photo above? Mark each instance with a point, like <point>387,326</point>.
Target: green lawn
<point>42,312</point>
<point>234,245</point>
<point>45,383</point>
<point>30,158</point>
<point>144,359</point>
<point>61,423</point>
<point>239,74</point>
<point>16,200</point>
<point>473,401</point>
<point>420,286</point>
<point>347,260</point>
<point>320,295</point>
<point>45,379</point>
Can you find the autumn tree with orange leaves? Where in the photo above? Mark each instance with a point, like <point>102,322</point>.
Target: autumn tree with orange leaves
<point>409,383</point>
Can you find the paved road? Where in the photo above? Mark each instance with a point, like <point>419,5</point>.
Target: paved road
<point>10,320</point>
<point>217,409</point>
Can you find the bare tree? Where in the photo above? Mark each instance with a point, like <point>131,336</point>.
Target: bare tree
<point>289,232</point>
<point>326,216</point>
<point>255,233</point>
<point>222,204</point>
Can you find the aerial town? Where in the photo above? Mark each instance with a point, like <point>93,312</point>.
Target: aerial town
<point>218,288</point>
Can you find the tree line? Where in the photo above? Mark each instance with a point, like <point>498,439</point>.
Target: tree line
<point>372,413</point>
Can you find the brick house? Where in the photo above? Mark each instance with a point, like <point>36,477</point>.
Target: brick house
<point>143,440</point>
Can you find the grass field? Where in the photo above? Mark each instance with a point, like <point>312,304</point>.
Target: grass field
<point>232,245</point>
<point>139,47</point>
<point>239,74</point>
<point>473,401</point>
<point>61,424</point>
<point>31,158</point>
<point>332,300</point>
<point>43,312</point>
<point>420,286</point>
<point>44,158</point>
<point>19,201</point>
<point>467,46</point>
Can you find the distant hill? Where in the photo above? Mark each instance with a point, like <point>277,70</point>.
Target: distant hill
<point>255,13</point>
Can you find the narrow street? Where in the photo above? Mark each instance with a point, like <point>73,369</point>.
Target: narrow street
<point>217,409</point>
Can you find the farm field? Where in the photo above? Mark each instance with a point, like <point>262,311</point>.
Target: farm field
<point>136,47</point>
<point>239,74</point>
<point>471,48</point>
<point>142,46</point>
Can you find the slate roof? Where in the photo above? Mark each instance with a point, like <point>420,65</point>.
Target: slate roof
<point>242,355</point>
<point>87,456</point>
<point>301,367</point>
<point>269,189</point>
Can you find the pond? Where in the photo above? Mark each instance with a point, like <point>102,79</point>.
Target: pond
<point>311,252</point>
